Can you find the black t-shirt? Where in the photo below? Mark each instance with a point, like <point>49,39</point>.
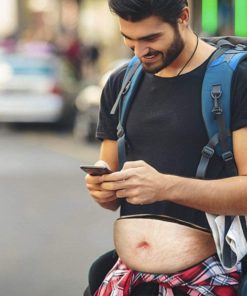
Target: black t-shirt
<point>165,128</point>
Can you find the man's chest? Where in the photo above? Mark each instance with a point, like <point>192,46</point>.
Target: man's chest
<point>166,110</point>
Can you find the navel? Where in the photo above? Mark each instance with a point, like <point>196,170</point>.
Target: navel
<point>143,245</point>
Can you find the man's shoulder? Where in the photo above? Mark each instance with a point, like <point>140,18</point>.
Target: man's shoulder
<point>118,73</point>
<point>241,72</point>
<point>115,78</point>
<point>242,68</point>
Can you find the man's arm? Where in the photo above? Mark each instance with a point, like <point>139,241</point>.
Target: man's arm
<point>143,185</point>
<point>108,156</point>
<point>223,196</point>
<point>109,153</point>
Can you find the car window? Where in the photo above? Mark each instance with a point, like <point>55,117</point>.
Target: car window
<point>24,65</point>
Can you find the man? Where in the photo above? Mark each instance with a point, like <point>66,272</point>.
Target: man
<point>163,239</point>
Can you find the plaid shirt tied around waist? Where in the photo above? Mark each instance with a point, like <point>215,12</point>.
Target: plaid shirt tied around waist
<point>206,278</point>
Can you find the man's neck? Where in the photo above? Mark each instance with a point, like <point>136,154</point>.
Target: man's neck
<point>193,55</point>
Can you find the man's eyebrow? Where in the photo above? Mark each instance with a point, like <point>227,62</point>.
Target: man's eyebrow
<point>154,35</point>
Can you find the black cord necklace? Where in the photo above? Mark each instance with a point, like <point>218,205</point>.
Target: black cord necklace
<point>193,53</point>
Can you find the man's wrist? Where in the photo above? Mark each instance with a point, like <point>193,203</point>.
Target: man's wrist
<point>170,187</point>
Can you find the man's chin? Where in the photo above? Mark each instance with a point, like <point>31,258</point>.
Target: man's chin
<point>151,69</point>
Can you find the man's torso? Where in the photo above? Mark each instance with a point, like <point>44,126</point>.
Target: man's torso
<point>165,128</point>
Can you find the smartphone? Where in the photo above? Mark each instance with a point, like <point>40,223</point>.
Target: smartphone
<point>95,170</point>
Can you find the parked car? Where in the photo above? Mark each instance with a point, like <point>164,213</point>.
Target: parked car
<point>31,90</point>
<point>87,105</point>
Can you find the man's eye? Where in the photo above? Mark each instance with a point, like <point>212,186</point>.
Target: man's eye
<point>151,38</point>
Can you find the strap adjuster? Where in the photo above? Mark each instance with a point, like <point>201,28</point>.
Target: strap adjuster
<point>227,156</point>
<point>216,93</point>
<point>120,133</point>
<point>207,151</point>
<point>126,87</point>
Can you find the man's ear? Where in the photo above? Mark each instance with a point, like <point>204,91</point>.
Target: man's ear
<point>184,17</point>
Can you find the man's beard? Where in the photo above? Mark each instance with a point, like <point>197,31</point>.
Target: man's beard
<point>166,57</point>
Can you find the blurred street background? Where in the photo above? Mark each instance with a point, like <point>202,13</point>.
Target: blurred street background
<point>55,56</point>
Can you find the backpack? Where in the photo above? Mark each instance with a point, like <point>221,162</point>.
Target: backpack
<point>216,94</point>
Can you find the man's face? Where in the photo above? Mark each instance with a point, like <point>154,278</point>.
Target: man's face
<point>156,43</point>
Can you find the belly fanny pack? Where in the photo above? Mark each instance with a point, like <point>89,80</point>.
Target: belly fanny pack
<point>229,232</point>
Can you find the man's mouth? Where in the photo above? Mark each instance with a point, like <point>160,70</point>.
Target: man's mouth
<point>150,56</point>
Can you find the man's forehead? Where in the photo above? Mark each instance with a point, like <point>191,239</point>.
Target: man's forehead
<point>142,29</point>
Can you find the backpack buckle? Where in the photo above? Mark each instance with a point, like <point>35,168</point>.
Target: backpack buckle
<point>227,156</point>
<point>216,94</point>
<point>207,151</point>
<point>240,47</point>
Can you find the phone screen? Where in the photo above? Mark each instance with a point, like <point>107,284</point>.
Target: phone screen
<point>94,170</point>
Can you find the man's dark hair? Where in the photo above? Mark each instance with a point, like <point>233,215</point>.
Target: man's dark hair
<point>135,10</point>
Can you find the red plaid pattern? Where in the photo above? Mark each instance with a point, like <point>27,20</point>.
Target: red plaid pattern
<point>206,278</point>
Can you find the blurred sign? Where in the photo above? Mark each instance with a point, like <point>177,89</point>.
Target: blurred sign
<point>240,18</point>
<point>209,16</point>
<point>224,17</point>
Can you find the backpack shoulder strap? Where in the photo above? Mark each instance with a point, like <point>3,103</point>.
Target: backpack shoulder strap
<point>123,102</point>
<point>216,102</point>
<point>130,72</point>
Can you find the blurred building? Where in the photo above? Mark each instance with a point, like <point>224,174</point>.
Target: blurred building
<point>18,15</point>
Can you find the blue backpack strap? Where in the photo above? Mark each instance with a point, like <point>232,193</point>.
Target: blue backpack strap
<point>216,103</point>
<point>125,97</point>
<point>216,94</point>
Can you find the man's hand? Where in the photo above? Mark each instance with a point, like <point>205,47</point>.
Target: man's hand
<point>138,182</point>
<point>106,198</point>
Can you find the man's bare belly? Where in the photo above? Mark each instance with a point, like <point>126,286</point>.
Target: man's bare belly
<point>156,246</point>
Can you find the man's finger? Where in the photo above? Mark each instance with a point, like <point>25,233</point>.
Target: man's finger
<point>102,195</point>
<point>93,179</point>
<point>114,177</point>
<point>133,164</point>
<point>113,186</point>
<point>93,187</point>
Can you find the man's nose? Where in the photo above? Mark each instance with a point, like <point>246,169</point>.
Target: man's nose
<point>140,49</point>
